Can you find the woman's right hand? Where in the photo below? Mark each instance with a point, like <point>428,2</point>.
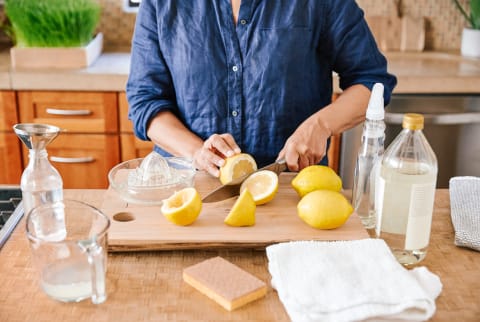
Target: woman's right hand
<point>213,152</point>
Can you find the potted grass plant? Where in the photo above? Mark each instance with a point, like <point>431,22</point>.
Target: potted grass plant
<point>57,30</point>
<point>470,46</point>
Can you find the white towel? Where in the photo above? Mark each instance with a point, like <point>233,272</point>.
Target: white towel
<point>465,211</point>
<point>349,281</point>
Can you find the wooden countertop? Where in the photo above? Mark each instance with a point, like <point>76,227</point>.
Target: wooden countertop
<point>149,287</point>
<point>425,72</point>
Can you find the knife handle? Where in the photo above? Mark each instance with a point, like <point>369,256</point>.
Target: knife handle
<point>280,166</point>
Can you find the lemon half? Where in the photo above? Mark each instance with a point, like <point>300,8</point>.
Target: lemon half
<point>263,185</point>
<point>316,177</point>
<point>324,209</point>
<point>237,166</point>
<point>183,207</point>
<point>243,211</point>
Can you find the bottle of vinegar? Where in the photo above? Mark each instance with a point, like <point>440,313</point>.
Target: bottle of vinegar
<point>405,192</point>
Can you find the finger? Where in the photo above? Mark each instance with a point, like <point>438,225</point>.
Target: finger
<point>205,159</point>
<point>303,162</point>
<point>231,142</point>
<point>212,158</point>
<point>218,143</point>
<point>213,170</point>
<point>291,159</point>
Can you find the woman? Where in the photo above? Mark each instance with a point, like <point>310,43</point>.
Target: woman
<point>209,79</point>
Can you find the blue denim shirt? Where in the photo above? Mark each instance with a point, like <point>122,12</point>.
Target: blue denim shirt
<point>257,80</point>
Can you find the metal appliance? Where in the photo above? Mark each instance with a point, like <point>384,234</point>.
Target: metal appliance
<point>452,127</point>
<point>11,210</point>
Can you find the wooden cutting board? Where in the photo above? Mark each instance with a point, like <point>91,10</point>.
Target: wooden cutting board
<point>141,228</point>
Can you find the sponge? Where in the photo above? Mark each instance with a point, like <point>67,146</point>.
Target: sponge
<point>225,283</point>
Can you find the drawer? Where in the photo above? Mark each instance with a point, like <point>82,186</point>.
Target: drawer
<point>8,111</point>
<point>78,112</point>
<point>83,160</point>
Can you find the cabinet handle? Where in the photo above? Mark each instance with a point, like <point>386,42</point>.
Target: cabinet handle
<point>56,111</point>
<point>72,160</point>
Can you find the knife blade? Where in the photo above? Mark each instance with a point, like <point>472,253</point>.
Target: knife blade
<point>232,188</point>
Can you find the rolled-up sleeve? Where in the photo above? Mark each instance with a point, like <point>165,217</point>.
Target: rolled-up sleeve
<point>149,86</point>
<point>354,52</point>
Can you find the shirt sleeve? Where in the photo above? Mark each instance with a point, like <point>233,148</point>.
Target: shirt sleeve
<point>354,52</point>
<point>149,86</point>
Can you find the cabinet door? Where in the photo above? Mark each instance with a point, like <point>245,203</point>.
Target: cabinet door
<point>11,165</point>
<point>131,146</point>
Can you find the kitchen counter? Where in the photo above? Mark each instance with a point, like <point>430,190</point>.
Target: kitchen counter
<point>107,73</point>
<point>148,286</point>
<point>426,72</point>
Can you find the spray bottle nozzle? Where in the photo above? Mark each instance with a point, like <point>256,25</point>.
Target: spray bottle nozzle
<point>375,110</point>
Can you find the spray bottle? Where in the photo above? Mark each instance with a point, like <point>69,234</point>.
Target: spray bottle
<point>369,156</point>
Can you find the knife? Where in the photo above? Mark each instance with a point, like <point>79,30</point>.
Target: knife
<point>232,188</point>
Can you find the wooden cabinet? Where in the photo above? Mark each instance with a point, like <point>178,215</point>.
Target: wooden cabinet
<point>88,146</point>
<point>11,167</point>
<point>131,146</point>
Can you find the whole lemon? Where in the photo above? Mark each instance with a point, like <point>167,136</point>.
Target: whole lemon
<point>316,177</point>
<point>324,209</point>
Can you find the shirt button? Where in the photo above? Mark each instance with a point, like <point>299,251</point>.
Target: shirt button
<point>235,68</point>
<point>234,113</point>
<point>243,22</point>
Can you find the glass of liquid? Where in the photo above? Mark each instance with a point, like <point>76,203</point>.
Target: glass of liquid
<point>68,240</point>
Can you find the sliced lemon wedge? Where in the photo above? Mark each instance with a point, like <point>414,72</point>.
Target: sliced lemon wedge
<point>183,207</point>
<point>243,211</point>
<point>263,185</point>
<point>237,166</point>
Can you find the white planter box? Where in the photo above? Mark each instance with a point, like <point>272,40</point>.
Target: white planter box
<point>470,43</point>
<point>57,57</point>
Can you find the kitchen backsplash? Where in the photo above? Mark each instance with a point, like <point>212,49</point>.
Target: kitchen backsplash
<point>443,28</point>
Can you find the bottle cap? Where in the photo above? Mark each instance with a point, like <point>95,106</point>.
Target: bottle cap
<point>412,121</point>
<point>375,110</point>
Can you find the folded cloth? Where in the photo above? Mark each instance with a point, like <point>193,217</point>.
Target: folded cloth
<point>465,211</point>
<point>349,281</point>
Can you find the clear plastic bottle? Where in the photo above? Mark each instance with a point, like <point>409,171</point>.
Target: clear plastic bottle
<point>406,191</point>
<point>369,154</point>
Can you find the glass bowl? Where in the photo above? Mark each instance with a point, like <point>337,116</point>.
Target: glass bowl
<point>132,186</point>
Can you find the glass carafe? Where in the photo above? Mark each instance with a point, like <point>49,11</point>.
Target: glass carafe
<point>40,183</point>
